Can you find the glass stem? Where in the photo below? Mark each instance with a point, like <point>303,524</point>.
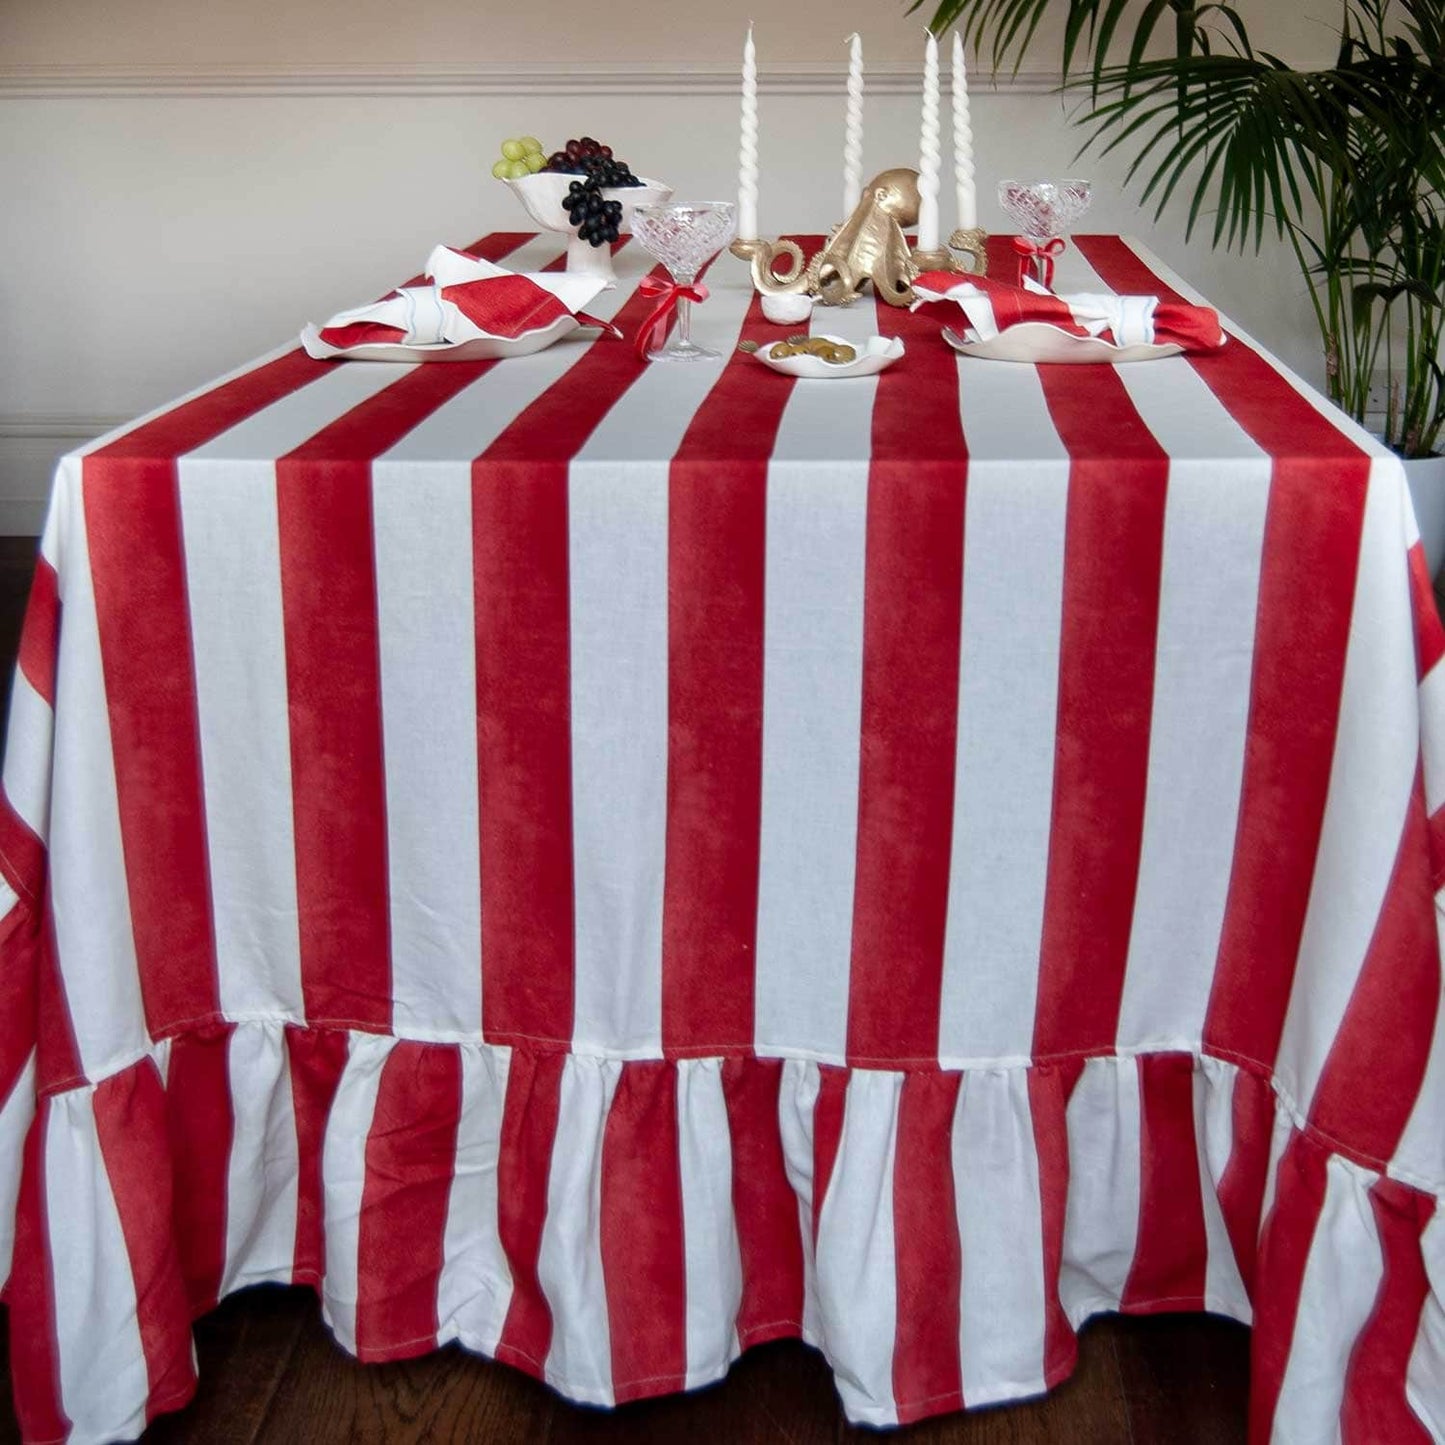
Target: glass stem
<point>684,322</point>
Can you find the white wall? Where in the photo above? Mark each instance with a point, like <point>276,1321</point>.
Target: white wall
<point>185,183</point>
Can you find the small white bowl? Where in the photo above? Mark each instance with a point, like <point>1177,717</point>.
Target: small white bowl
<point>542,195</point>
<point>873,355</point>
<point>788,309</point>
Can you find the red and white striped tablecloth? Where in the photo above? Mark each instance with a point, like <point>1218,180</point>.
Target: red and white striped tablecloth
<point>611,864</point>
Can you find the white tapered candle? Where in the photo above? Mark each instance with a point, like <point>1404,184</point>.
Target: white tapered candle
<point>929,151</point>
<point>748,146</point>
<point>966,192</point>
<point>853,132</point>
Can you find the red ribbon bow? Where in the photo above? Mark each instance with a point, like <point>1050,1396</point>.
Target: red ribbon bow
<point>1043,255</point>
<point>653,332</point>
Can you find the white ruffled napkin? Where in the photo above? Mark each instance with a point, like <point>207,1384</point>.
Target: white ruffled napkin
<point>471,309</point>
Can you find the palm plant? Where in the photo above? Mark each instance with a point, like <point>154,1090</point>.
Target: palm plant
<point>1347,163</point>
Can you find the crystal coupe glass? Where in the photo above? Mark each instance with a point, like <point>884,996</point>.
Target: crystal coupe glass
<point>1043,211</point>
<point>684,238</point>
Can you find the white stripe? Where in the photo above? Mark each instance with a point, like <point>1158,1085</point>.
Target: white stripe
<point>797,1099</point>
<point>1432,738</point>
<point>427,644</point>
<point>475,1287</point>
<point>857,1278</point>
<point>817,522</point>
<point>233,581</point>
<point>104,1381</point>
<point>1427,1360</point>
<point>617,516</point>
<point>343,1174</point>
<point>569,1263</point>
<point>1371,781</point>
<point>15,1117</point>
<point>1101,1220</point>
<point>297,416</point>
<point>710,1240</point>
<point>1341,1279</point>
<point>1013,578</point>
<point>95,947</point>
<point>1214,1085</point>
<point>472,420</point>
<point>1000,1230</point>
<point>1204,655</point>
<point>1419,1157</point>
<point>261,1185</point>
<point>29,739</point>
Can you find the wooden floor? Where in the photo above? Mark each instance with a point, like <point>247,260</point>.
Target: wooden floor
<point>271,1374</point>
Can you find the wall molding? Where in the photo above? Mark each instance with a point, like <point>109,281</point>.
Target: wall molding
<point>59,427</point>
<point>39,82</point>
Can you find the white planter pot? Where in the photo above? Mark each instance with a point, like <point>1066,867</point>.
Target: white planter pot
<point>1426,476</point>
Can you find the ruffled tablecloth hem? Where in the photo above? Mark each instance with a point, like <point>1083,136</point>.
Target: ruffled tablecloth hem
<point>624,1229</point>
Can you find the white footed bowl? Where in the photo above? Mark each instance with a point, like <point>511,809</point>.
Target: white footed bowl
<point>542,194</point>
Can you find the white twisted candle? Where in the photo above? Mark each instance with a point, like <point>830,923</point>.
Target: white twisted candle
<point>929,152</point>
<point>853,132</point>
<point>965,191</point>
<point>748,146</point>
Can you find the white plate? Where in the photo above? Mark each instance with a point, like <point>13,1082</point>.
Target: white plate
<point>873,355</point>
<point>1035,341</point>
<point>481,348</point>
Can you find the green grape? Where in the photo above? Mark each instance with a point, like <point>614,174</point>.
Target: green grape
<point>517,169</point>
<point>531,144</point>
<point>502,170</point>
<point>534,161</point>
<point>513,150</point>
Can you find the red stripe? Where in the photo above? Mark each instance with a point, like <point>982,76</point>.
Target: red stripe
<point>22,855</point>
<point>410,1160</point>
<point>316,1059</point>
<point>40,636</point>
<point>717,521</point>
<point>644,1264</point>
<point>1436,827</point>
<point>137,562</point>
<point>30,1294</point>
<point>1171,1251</point>
<point>130,1127</point>
<point>927,1364</point>
<point>764,1205</point>
<point>1299,1200</point>
<point>912,611</point>
<point>1366,1092</point>
<point>333,679</point>
<point>828,1112</point>
<point>1049,1090</point>
<point>1241,1187</point>
<point>1429,634</point>
<point>523,661</point>
<point>1306,591</point>
<point>529,1128</point>
<point>1113,555</point>
<point>1375,1407</point>
<point>20,953</point>
<point>201,1125</point>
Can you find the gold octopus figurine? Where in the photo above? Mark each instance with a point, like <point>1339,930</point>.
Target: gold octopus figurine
<point>868,246</point>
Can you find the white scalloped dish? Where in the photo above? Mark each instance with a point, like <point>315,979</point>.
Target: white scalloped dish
<point>1036,341</point>
<point>874,355</point>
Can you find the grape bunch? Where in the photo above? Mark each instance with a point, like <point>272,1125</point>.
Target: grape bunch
<point>595,218</point>
<point>520,157</point>
<point>590,158</point>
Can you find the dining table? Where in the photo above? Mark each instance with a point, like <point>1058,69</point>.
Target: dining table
<point>610,863</point>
